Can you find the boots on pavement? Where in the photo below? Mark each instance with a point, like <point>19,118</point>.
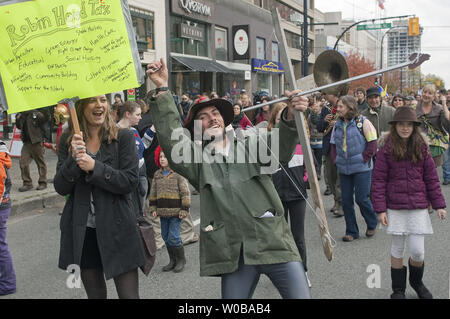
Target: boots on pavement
<point>398,277</point>
<point>172,259</point>
<point>415,280</point>
<point>180,259</point>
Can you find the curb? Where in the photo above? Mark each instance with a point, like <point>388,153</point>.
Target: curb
<point>36,202</point>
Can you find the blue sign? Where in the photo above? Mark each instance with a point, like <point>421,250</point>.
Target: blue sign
<point>267,66</point>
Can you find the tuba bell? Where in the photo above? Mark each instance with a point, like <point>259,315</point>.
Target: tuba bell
<point>61,114</point>
<point>330,67</point>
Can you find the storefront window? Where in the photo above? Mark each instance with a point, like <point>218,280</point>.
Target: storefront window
<point>231,83</point>
<point>276,84</point>
<point>221,44</point>
<point>260,48</point>
<point>186,83</point>
<point>189,46</point>
<point>264,82</point>
<point>143,25</point>
<point>275,52</point>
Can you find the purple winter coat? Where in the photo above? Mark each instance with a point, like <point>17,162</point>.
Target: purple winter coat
<point>404,185</point>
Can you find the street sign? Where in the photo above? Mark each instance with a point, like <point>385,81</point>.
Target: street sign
<point>376,26</point>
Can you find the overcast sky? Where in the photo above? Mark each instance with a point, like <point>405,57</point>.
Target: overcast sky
<point>434,17</point>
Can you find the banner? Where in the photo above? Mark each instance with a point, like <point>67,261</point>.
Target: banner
<point>56,49</point>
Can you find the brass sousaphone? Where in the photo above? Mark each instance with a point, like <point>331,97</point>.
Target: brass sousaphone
<point>330,67</point>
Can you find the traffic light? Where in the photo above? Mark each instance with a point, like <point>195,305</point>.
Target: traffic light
<point>376,81</point>
<point>414,27</point>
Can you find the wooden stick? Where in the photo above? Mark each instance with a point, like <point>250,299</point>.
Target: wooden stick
<point>74,119</point>
<point>304,141</point>
<point>73,113</point>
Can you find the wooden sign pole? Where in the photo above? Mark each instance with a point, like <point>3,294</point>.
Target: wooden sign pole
<point>304,140</point>
<point>73,113</point>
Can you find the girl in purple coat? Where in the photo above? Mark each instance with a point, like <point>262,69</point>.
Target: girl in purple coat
<point>404,183</point>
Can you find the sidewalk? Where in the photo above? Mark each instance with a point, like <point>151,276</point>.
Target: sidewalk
<point>22,202</point>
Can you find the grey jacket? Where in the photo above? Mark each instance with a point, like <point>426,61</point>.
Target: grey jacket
<point>381,118</point>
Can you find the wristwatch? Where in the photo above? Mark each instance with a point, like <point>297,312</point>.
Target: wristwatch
<point>152,94</point>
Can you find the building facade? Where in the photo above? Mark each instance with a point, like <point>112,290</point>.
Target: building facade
<point>399,47</point>
<point>291,12</point>
<point>363,42</point>
<point>222,46</point>
<point>149,23</point>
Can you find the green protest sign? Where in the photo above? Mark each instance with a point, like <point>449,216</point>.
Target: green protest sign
<point>56,49</point>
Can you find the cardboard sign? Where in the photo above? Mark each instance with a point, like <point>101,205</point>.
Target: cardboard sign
<point>56,49</point>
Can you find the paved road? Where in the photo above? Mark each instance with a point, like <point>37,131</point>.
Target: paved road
<point>34,241</point>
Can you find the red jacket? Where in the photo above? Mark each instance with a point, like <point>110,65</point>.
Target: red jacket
<point>245,122</point>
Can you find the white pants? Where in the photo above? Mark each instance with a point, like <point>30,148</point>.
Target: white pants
<point>416,246</point>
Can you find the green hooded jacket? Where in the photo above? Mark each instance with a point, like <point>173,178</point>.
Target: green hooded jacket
<point>234,194</point>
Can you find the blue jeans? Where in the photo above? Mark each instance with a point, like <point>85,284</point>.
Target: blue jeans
<point>357,184</point>
<point>170,231</point>
<point>446,165</point>
<point>7,274</point>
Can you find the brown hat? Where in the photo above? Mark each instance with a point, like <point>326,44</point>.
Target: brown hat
<point>405,114</point>
<point>225,108</point>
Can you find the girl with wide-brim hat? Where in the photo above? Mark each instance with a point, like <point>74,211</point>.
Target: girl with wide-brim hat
<point>404,182</point>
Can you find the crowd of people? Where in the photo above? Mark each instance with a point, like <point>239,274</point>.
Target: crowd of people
<point>382,153</point>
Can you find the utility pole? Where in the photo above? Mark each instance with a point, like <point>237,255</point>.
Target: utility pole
<point>305,49</point>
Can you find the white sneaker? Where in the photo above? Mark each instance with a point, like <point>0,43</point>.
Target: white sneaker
<point>307,279</point>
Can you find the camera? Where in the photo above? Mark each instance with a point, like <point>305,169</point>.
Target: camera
<point>35,119</point>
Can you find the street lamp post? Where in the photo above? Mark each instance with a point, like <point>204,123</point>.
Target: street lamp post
<point>368,20</point>
<point>305,48</point>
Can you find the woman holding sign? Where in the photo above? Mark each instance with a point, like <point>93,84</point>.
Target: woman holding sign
<point>99,170</point>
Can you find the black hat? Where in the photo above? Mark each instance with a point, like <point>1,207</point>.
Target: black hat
<point>225,108</point>
<point>405,114</point>
<point>373,91</point>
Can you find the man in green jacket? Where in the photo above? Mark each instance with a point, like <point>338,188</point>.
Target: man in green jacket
<point>243,233</point>
<point>378,114</point>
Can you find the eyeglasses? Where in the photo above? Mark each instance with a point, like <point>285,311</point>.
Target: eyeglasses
<point>397,100</point>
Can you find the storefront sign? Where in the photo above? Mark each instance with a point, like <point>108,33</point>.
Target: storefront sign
<point>241,42</point>
<point>191,6</point>
<point>190,32</point>
<point>267,66</point>
<point>201,9</point>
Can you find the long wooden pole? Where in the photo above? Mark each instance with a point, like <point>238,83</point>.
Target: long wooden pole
<point>73,113</point>
<point>304,140</point>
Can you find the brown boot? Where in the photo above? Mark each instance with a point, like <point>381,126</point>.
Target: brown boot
<point>25,188</point>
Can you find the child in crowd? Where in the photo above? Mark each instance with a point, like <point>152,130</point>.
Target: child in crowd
<point>404,182</point>
<point>170,200</point>
<point>7,274</point>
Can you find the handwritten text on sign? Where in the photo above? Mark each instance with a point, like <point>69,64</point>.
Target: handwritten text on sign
<point>56,49</point>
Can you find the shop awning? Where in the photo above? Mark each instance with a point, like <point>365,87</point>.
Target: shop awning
<point>201,65</point>
<point>236,67</point>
